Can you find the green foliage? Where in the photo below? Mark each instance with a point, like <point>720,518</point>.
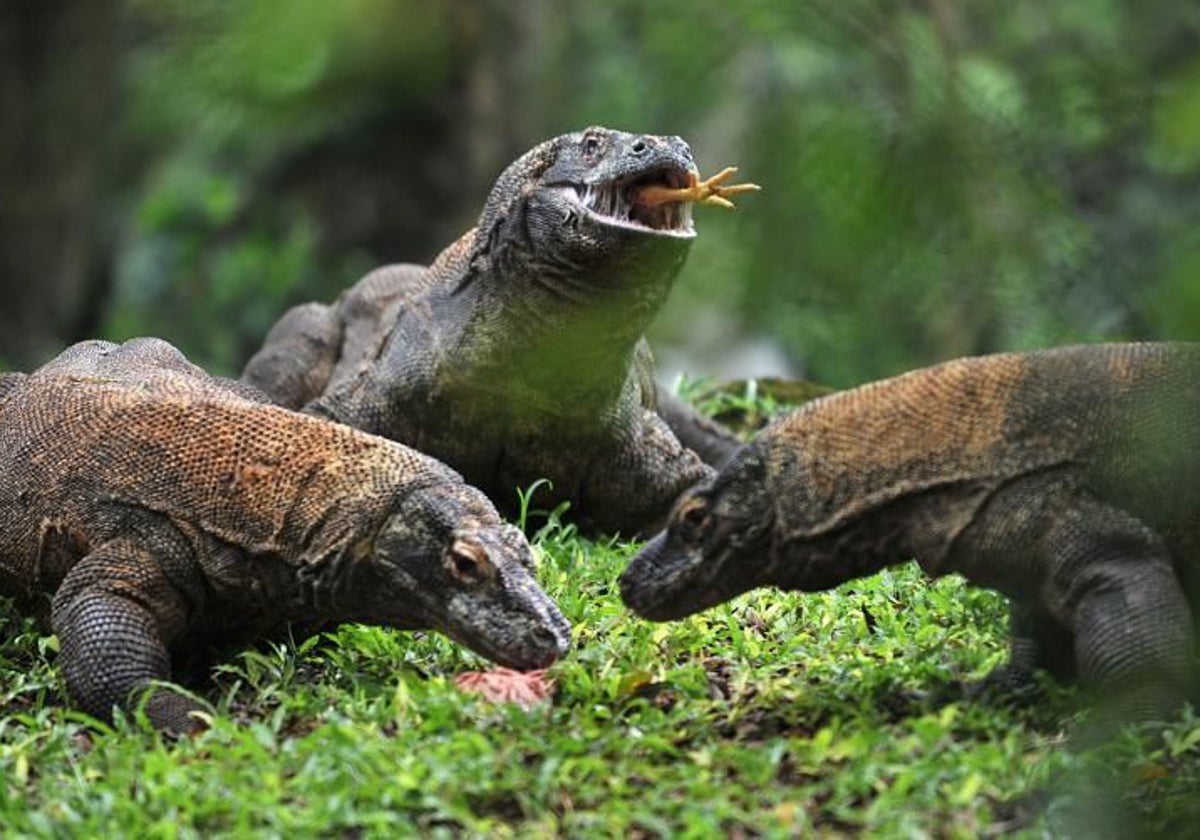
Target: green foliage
<point>940,178</point>
<point>221,94</point>
<point>248,83</point>
<point>746,405</point>
<point>225,288</point>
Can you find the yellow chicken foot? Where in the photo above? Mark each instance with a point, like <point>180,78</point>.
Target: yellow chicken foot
<point>709,191</point>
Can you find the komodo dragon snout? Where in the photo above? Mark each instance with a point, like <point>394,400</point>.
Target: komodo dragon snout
<point>468,576</point>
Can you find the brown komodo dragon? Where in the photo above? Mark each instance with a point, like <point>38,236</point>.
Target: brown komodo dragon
<point>1068,480</point>
<point>166,510</point>
<point>518,354</point>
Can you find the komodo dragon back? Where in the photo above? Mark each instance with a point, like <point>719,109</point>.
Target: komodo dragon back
<point>163,508</point>
<point>171,439</point>
<point>1119,411</point>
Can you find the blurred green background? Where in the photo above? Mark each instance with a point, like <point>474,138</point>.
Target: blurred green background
<point>941,176</point>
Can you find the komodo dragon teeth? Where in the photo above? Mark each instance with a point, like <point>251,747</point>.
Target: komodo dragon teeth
<point>1067,479</point>
<point>623,201</point>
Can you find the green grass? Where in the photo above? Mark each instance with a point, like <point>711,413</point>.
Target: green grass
<point>832,713</point>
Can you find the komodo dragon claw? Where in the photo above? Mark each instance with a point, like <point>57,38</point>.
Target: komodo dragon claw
<point>708,192</point>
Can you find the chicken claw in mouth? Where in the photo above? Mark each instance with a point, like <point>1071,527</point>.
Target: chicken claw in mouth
<point>709,191</point>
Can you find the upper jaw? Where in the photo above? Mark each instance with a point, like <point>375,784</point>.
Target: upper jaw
<point>550,645</point>
<point>614,202</point>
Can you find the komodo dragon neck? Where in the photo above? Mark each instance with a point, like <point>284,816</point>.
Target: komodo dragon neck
<point>565,333</point>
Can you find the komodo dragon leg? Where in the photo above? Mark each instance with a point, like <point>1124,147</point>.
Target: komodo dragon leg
<point>1134,643</point>
<point>707,438</point>
<point>648,472</point>
<point>115,614</point>
<point>298,356</point>
<point>314,346</point>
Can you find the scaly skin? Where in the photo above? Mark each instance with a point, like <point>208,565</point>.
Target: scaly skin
<point>518,354</point>
<point>1068,479</point>
<point>165,510</point>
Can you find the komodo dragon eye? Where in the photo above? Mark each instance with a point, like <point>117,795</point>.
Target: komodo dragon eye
<point>468,562</point>
<point>591,145</point>
<point>693,518</point>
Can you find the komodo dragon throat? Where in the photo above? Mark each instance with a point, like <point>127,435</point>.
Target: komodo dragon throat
<point>166,510</point>
<point>1068,479</point>
<point>518,354</point>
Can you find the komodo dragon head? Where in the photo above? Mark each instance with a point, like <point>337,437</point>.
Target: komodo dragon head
<point>717,544</point>
<point>570,216</point>
<point>444,560</point>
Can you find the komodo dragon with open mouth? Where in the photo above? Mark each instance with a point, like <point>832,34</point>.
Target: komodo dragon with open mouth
<point>166,510</point>
<point>518,354</point>
<point>1068,480</point>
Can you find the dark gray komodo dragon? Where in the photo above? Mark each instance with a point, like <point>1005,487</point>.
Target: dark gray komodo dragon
<point>1067,479</point>
<point>518,354</point>
<point>166,510</point>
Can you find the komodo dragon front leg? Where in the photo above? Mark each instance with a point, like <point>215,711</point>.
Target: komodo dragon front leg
<point>648,472</point>
<point>706,437</point>
<point>116,615</point>
<point>315,346</point>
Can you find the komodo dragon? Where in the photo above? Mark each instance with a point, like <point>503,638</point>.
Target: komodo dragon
<point>165,510</point>
<point>518,354</point>
<point>1067,479</point>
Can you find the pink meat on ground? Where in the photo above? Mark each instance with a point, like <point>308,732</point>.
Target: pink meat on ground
<point>503,685</point>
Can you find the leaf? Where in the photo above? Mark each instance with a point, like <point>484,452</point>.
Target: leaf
<point>633,681</point>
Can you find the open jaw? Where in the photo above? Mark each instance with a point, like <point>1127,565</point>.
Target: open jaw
<point>618,203</point>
